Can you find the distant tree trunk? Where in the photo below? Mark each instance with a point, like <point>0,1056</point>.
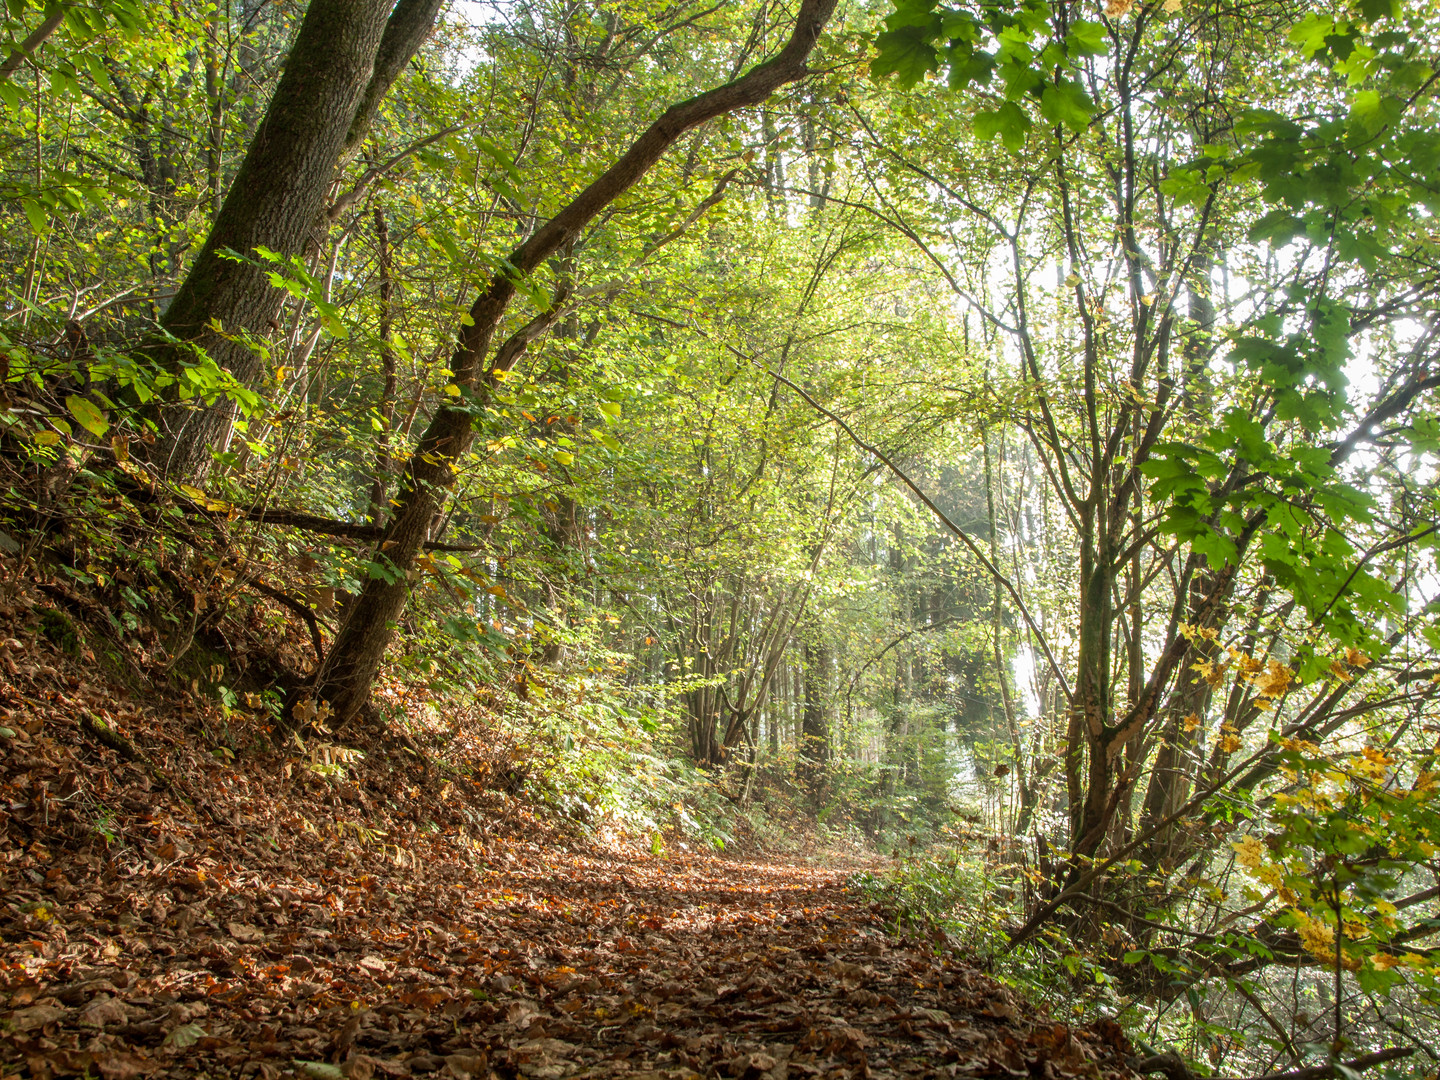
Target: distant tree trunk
<point>345,57</point>
<point>215,133</point>
<point>815,726</point>
<point>359,648</point>
<point>1025,811</point>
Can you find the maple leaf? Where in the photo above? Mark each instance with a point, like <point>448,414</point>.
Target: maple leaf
<point>1274,681</point>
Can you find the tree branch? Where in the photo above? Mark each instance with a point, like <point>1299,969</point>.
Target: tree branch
<point>35,39</point>
<point>301,609</point>
<point>1359,1064</point>
<point>408,27</point>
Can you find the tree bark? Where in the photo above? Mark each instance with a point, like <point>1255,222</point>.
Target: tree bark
<point>356,655</point>
<point>346,55</point>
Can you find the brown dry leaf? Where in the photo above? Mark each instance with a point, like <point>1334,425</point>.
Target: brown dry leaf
<point>35,1017</point>
<point>122,1066</point>
<point>465,1066</point>
<point>103,1010</point>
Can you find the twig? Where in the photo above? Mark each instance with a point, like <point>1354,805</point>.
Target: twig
<point>302,609</point>
<point>1322,1072</point>
<point>1174,1067</point>
<point>313,523</point>
<point>355,194</point>
<point>1170,1063</point>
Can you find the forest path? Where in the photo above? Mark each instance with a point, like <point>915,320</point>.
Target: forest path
<point>168,912</point>
<point>561,965</point>
<point>764,970</point>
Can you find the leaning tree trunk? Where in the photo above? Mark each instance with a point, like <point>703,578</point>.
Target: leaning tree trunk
<point>355,656</point>
<point>345,57</point>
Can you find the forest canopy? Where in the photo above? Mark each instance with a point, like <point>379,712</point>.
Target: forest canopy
<point>1011,420</point>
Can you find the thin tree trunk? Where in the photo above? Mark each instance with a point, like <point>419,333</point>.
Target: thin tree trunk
<point>1026,810</point>
<point>36,38</point>
<point>815,744</point>
<point>383,463</point>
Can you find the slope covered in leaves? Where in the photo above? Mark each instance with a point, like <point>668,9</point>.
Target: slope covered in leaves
<point>168,911</point>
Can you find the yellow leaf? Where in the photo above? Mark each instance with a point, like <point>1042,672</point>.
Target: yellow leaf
<point>1249,852</point>
<point>1274,681</point>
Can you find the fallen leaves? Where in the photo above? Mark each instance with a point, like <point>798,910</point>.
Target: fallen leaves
<point>241,921</point>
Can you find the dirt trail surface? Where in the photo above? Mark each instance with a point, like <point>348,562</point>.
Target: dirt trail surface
<point>168,911</point>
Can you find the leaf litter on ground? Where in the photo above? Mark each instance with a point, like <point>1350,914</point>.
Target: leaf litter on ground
<point>172,912</point>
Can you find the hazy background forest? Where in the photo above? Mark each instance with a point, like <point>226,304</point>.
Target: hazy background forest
<point>999,436</point>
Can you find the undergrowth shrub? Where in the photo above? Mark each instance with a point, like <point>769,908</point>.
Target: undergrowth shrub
<point>964,899</point>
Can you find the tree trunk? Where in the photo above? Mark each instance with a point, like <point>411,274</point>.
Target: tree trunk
<point>335,75</point>
<point>815,744</point>
<point>355,657</point>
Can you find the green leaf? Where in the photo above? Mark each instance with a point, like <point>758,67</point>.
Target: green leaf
<point>1375,10</point>
<point>1064,102</point>
<point>1087,39</point>
<point>39,221</point>
<point>967,67</point>
<point>904,53</point>
<point>1008,121</point>
<point>1278,227</point>
<point>87,415</point>
<point>499,156</point>
<point>1370,112</point>
<point>320,1070</point>
<point>185,1035</point>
